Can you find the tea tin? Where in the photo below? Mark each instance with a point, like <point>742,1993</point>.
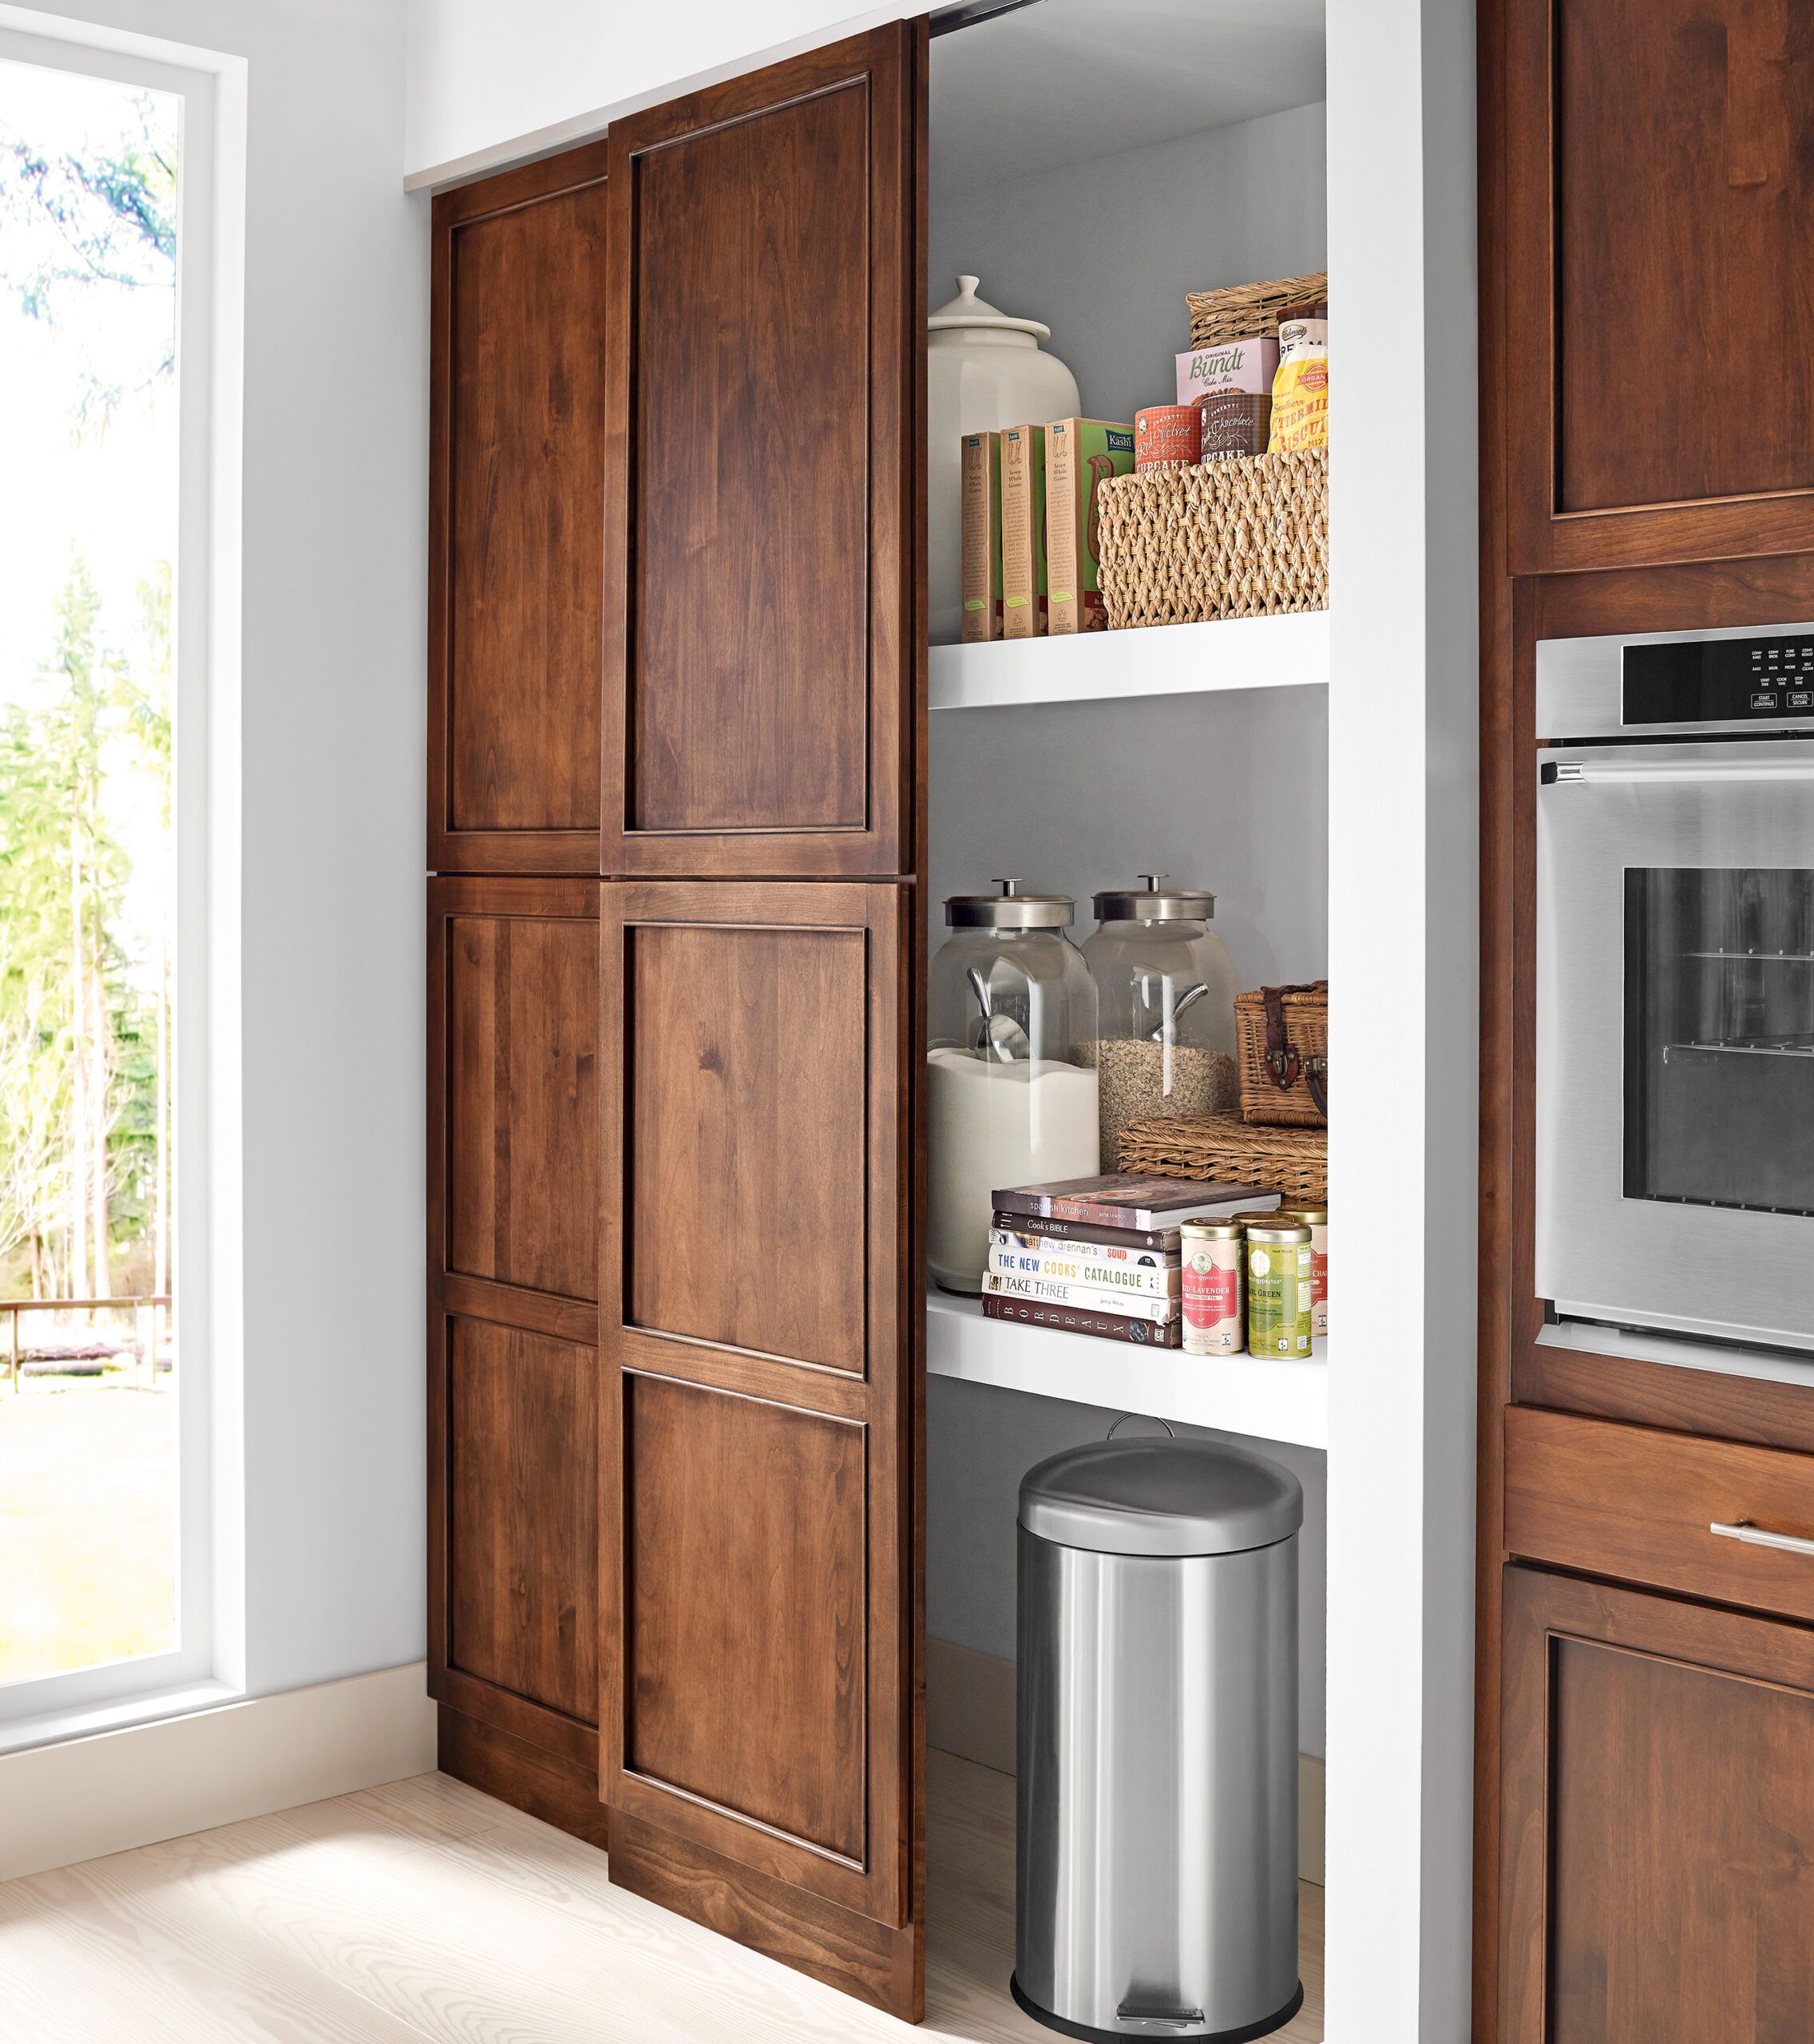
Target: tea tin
<point>1280,1288</point>
<point>1214,1294</point>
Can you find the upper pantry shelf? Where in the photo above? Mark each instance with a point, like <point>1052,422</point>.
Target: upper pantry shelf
<point>1235,1394</point>
<point>1166,659</point>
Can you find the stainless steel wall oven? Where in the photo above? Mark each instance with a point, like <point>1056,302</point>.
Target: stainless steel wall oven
<point>1675,988</point>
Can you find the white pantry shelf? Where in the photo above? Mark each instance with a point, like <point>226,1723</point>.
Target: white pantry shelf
<point>1283,651</point>
<point>1237,1394</point>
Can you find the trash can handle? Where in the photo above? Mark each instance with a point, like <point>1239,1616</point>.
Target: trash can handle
<point>1126,1416</point>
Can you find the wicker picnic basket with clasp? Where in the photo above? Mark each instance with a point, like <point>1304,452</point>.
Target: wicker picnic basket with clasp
<point>1284,1055</point>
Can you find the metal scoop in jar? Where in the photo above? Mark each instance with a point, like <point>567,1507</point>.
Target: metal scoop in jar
<point>1167,1030</point>
<point>995,1035</point>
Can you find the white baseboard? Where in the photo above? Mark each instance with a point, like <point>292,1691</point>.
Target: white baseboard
<point>970,1711</point>
<point>59,1803</point>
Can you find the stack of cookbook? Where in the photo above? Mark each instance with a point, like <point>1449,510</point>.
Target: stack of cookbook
<point>1101,1256</point>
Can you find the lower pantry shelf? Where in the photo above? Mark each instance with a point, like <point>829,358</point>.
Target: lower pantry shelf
<point>1285,1401</point>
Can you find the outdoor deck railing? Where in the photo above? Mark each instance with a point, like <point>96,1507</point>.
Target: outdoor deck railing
<point>144,1337</point>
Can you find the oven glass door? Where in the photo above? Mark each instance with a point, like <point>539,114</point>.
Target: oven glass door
<point>1675,1037</point>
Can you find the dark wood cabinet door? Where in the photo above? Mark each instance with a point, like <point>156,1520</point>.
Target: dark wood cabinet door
<point>763,535</point>
<point>1657,1841</point>
<point>760,1498</point>
<point>514,1145</point>
<point>1659,208</point>
<point>516,507</point>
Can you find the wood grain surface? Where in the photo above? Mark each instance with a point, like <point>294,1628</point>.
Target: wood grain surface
<point>759,1591</point>
<point>512,1162</point>
<point>1656,1803</point>
<point>1636,1504</point>
<point>763,535</point>
<point>746,1192</point>
<point>523,1515</point>
<point>1659,159</point>
<point>522,1101</point>
<point>745,1681</point>
<point>425,1910</point>
<point>516,500</point>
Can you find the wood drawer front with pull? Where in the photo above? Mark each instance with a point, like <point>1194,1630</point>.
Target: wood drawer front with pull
<point>1639,1505</point>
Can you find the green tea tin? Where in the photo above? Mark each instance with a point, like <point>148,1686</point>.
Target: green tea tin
<point>1281,1288</point>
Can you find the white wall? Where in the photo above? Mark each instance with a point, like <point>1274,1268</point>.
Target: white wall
<point>334,548</point>
<point>1104,251</point>
<point>489,82</point>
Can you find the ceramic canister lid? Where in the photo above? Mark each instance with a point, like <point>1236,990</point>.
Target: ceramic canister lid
<point>1161,1497</point>
<point>966,309</point>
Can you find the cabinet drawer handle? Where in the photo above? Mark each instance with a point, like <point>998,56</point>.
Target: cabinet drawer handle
<point>1755,1536</point>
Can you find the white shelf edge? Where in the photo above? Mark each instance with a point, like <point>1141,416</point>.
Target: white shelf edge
<point>1289,650</point>
<point>1284,1402</point>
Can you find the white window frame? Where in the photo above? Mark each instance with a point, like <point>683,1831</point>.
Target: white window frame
<point>207,1665</point>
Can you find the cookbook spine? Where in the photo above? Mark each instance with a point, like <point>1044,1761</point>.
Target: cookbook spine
<point>1064,1292</point>
<point>1082,1320</point>
<point>1167,1241</point>
<point>1086,1263</point>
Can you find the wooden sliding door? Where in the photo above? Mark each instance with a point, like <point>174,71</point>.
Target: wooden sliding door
<point>760,1489</point>
<point>761,565</point>
<point>759,1325</point>
<point>514,1128</point>
<point>516,517</point>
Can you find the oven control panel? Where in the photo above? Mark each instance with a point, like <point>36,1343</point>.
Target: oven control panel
<point>1718,681</point>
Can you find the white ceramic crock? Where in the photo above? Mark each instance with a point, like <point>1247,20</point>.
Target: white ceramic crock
<point>983,371</point>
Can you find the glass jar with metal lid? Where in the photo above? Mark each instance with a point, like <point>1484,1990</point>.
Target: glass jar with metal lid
<point>1166,986</point>
<point>1011,1081</point>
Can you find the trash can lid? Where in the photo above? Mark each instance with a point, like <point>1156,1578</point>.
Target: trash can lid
<point>1161,1497</point>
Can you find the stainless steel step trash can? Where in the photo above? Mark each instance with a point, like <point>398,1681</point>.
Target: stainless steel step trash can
<point>1156,1849</point>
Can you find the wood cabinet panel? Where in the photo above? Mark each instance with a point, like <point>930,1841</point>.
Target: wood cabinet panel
<point>522,1514</point>
<point>763,528</point>
<point>522,1101</point>
<point>513,1148</point>
<point>750,691</point>
<point>760,1481</point>
<point>517,505</point>
<point>1657,1804</point>
<point>746,1052</point>
<point>1636,1504</point>
<point>1659,168</point>
<point>745,1683</point>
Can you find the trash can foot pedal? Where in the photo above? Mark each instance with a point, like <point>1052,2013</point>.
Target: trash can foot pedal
<point>1144,2023</point>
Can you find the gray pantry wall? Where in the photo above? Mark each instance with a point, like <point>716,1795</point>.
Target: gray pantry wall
<point>1229,792</point>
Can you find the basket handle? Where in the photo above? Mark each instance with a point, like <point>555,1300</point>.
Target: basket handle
<point>1284,1062</point>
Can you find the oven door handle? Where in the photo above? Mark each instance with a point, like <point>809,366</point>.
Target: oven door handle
<point>1595,772</point>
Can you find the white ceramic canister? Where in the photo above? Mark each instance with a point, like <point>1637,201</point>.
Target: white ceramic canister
<point>983,371</point>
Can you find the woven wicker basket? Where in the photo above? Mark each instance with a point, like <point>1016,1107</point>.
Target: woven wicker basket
<point>1230,539</point>
<point>1303,1043</point>
<point>1293,1161</point>
<point>1250,312</point>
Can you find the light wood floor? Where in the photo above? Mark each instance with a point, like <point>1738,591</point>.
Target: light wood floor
<point>425,1910</point>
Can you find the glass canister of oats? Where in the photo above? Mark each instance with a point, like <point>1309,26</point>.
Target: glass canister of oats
<point>1166,986</point>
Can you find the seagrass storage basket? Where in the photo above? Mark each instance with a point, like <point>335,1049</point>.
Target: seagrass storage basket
<point>1293,1161</point>
<point>1238,538</point>
<point>1282,1049</point>
<point>1248,312</point>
